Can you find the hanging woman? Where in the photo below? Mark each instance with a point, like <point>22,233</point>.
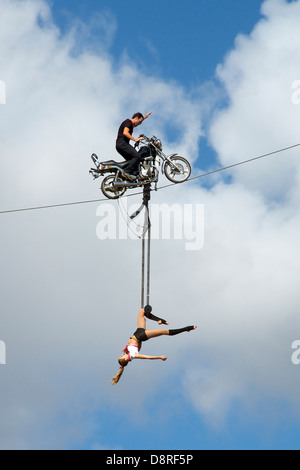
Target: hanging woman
<point>132,349</point>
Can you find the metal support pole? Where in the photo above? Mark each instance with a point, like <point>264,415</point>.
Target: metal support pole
<point>143,272</point>
<point>147,229</point>
<point>148,264</point>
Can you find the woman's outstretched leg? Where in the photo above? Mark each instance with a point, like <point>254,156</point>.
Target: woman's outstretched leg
<point>182,330</point>
<point>156,333</point>
<point>165,332</point>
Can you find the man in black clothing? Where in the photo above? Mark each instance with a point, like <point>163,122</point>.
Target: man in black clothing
<point>122,143</point>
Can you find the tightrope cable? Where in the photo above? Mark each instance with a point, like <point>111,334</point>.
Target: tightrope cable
<point>50,206</point>
<point>235,164</point>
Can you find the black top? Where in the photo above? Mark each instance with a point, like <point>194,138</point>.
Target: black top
<point>127,123</point>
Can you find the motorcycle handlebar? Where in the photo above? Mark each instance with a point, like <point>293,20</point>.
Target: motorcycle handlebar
<point>144,138</point>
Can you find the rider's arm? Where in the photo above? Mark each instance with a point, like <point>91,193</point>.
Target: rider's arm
<point>142,356</point>
<point>129,136</point>
<point>147,115</point>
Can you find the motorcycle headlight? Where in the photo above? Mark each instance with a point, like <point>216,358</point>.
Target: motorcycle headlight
<point>158,144</point>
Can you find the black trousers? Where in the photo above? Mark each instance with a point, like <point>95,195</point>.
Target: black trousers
<point>130,155</point>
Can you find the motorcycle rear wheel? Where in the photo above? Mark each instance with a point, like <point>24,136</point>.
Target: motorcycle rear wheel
<point>109,190</point>
<point>181,175</point>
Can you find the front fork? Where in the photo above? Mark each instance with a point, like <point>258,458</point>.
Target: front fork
<point>168,159</point>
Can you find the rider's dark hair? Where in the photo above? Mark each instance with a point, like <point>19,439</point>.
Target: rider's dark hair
<point>138,115</point>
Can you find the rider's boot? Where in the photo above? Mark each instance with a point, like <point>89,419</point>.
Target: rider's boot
<point>129,176</point>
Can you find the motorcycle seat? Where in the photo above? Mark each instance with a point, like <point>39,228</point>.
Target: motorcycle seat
<point>109,162</point>
<point>119,164</point>
<point>123,164</point>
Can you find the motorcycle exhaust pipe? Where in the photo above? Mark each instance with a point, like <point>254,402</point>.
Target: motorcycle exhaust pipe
<point>126,184</point>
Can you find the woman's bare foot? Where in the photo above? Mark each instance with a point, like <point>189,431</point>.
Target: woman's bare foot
<point>160,322</point>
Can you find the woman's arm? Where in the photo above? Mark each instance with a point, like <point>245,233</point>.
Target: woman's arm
<point>142,356</point>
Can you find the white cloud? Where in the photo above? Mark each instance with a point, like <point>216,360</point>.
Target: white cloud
<point>65,106</point>
<point>258,75</point>
<point>252,232</point>
<point>64,303</point>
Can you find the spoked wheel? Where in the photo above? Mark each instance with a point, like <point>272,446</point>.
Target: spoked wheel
<point>109,190</point>
<point>180,171</point>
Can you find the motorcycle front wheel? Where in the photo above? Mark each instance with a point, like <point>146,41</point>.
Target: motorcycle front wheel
<point>109,190</point>
<point>179,173</point>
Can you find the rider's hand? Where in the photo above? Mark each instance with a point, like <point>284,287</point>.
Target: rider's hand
<point>163,358</point>
<point>139,139</point>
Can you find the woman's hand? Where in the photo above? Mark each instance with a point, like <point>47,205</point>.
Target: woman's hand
<point>163,358</point>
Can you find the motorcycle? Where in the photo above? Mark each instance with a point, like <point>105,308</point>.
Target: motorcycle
<point>177,169</point>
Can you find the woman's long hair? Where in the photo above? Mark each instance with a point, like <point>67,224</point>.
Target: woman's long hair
<point>117,377</point>
<point>123,363</point>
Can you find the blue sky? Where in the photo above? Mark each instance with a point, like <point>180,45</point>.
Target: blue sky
<point>219,71</point>
<point>182,42</point>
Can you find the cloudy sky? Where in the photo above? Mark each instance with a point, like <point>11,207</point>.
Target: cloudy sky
<point>220,79</point>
